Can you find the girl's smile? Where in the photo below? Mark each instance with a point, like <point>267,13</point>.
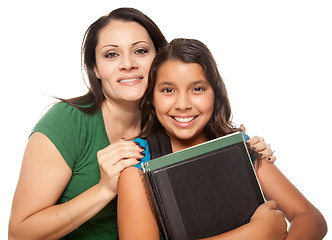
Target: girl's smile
<point>184,121</point>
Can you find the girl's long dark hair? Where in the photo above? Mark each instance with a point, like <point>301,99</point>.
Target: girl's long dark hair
<point>189,51</point>
<point>92,100</point>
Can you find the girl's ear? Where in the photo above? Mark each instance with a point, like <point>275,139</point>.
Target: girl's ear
<point>96,72</point>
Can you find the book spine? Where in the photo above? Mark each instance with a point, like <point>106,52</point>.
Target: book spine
<point>153,201</point>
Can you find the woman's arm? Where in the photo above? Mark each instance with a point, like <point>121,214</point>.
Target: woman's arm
<point>136,220</point>
<point>306,221</point>
<point>44,175</point>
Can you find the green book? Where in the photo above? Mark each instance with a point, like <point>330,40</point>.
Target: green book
<point>204,190</point>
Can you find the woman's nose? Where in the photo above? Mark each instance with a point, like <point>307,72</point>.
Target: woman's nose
<point>128,62</point>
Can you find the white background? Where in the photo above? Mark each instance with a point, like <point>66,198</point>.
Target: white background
<point>275,58</point>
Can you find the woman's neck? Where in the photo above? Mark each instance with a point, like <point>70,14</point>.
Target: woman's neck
<point>121,121</point>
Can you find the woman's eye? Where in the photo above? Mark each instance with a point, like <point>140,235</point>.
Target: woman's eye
<point>167,90</point>
<point>111,55</point>
<point>141,51</point>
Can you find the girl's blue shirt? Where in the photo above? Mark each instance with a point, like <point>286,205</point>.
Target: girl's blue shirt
<point>147,157</point>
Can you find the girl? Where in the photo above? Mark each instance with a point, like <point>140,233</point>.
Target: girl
<point>187,98</point>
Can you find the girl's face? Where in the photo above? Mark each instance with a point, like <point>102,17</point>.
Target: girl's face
<point>184,100</point>
<point>124,54</point>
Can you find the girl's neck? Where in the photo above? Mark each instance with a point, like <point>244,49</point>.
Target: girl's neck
<point>121,121</point>
<point>180,144</point>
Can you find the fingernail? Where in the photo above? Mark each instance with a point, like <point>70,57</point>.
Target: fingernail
<point>136,143</point>
<point>253,148</point>
<point>139,159</point>
<point>143,148</point>
<point>143,154</point>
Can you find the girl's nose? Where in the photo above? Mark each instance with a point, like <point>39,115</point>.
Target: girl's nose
<point>183,102</point>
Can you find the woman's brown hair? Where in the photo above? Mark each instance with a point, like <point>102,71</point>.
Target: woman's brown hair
<point>92,100</point>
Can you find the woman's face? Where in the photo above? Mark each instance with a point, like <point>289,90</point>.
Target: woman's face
<point>184,100</point>
<point>124,54</point>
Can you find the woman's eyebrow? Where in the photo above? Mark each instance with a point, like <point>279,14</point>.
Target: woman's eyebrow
<point>116,46</point>
<point>110,45</point>
<point>138,42</point>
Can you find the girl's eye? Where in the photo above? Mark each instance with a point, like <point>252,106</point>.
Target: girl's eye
<point>198,89</point>
<point>141,51</point>
<point>167,90</point>
<point>111,55</point>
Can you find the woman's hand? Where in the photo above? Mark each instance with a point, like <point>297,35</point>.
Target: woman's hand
<point>259,145</point>
<point>114,158</point>
<point>270,222</point>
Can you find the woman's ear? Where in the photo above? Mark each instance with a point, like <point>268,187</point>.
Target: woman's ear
<point>96,72</point>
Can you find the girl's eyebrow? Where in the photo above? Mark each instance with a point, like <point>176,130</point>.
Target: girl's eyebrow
<point>200,82</point>
<point>194,83</point>
<point>164,84</point>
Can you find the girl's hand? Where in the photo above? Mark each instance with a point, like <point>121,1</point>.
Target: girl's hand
<point>259,145</point>
<point>271,222</point>
<point>114,158</point>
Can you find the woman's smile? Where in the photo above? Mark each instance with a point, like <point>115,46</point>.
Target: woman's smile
<point>128,81</point>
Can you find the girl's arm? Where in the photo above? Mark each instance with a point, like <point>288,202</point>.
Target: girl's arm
<point>136,220</point>
<point>135,217</point>
<point>44,175</point>
<point>306,221</point>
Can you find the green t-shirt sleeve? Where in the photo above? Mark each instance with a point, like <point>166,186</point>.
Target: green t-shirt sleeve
<point>64,125</point>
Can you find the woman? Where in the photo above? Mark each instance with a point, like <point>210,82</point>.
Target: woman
<point>186,97</point>
<point>68,183</point>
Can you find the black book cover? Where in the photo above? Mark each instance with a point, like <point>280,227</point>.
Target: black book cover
<point>204,190</point>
